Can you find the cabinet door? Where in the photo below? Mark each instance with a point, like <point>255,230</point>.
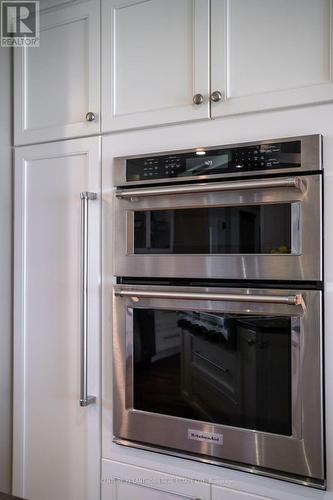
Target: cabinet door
<point>270,54</point>
<point>123,482</point>
<point>155,59</point>
<point>229,494</point>
<point>56,441</point>
<point>57,83</point>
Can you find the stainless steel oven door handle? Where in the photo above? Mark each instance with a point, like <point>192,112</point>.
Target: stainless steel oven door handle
<point>286,182</point>
<point>85,400</point>
<point>293,300</point>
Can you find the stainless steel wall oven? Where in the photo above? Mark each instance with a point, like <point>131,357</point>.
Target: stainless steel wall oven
<point>217,336</point>
<point>261,228</point>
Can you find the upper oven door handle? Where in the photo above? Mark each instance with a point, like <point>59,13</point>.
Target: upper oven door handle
<point>293,300</point>
<point>285,182</point>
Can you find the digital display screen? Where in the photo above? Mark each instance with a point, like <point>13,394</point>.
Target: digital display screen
<point>204,164</point>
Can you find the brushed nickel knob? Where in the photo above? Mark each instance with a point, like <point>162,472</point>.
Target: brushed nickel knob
<point>216,96</point>
<point>90,117</point>
<point>198,99</point>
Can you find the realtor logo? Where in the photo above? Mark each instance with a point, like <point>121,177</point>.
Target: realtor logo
<point>19,23</point>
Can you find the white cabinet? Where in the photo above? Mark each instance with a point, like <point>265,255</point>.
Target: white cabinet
<point>56,441</point>
<point>270,54</point>
<point>158,55</point>
<point>155,58</point>
<point>259,55</point>
<point>57,83</point>
<point>229,494</point>
<point>123,482</point>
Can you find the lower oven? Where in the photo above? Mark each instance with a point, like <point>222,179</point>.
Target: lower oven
<point>223,375</point>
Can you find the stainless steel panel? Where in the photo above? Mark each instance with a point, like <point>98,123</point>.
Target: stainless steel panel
<point>300,454</point>
<point>303,481</point>
<point>311,160</point>
<point>304,263</point>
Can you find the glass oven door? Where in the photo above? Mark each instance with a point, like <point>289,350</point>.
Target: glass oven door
<point>233,374</point>
<point>263,229</point>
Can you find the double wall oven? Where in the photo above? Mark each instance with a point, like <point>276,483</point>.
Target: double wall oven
<point>217,335</point>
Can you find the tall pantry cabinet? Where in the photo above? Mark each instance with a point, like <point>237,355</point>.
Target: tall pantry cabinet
<point>57,242</point>
<point>57,262</point>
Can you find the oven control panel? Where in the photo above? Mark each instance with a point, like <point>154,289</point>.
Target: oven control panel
<point>201,162</point>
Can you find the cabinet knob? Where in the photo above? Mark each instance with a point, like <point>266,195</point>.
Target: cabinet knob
<point>198,99</point>
<point>216,96</point>
<point>90,117</point>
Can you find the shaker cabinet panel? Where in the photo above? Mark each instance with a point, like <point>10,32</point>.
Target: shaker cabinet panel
<point>123,491</point>
<point>229,494</point>
<point>155,59</point>
<point>268,54</point>
<point>123,482</point>
<point>56,452</point>
<point>57,83</point>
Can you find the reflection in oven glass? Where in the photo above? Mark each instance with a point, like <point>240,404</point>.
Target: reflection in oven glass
<point>253,229</point>
<point>221,368</point>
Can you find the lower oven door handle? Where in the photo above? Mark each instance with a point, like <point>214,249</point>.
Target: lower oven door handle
<point>267,299</point>
<point>289,182</point>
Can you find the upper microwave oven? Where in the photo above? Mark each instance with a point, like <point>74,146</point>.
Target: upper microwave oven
<point>251,211</point>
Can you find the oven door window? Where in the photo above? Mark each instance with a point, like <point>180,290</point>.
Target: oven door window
<point>252,229</point>
<point>227,369</point>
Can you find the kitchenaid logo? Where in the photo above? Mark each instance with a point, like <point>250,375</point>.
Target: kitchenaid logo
<point>19,23</point>
<point>205,437</point>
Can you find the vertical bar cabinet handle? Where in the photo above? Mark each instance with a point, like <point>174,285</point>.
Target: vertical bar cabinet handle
<point>85,399</point>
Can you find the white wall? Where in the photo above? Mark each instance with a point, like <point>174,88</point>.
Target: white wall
<point>233,129</point>
<point>5,270</point>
